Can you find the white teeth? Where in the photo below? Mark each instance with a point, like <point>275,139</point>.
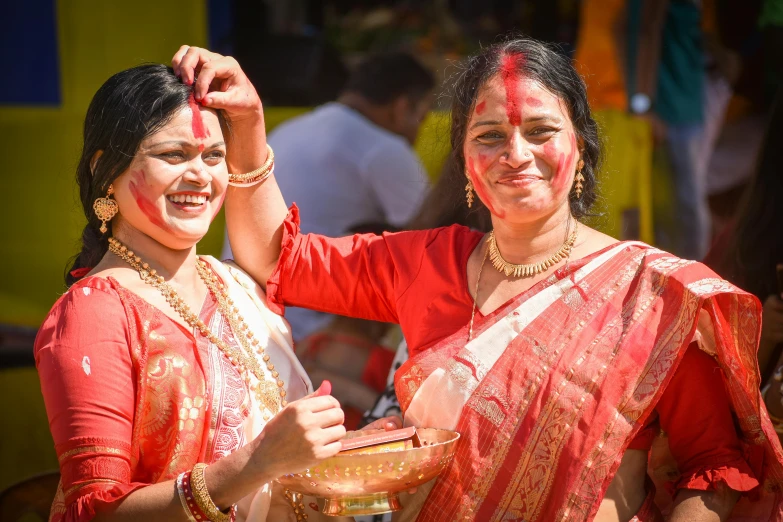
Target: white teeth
<point>180,198</point>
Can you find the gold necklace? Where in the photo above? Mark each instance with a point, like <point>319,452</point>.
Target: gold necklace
<point>475,297</point>
<point>569,243</point>
<point>271,396</point>
<point>535,268</point>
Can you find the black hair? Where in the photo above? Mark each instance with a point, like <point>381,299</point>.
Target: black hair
<point>130,106</point>
<point>382,78</point>
<point>756,244</point>
<point>555,72</point>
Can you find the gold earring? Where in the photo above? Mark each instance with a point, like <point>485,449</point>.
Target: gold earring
<point>105,208</point>
<point>579,179</point>
<point>469,193</point>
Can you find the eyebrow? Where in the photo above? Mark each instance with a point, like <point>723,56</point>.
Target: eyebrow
<point>533,119</point>
<point>485,122</point>
<point>184,143</point>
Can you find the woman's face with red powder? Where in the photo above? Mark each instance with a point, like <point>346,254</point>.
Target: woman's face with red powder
<point>176,183</point>
<point>520,149</point>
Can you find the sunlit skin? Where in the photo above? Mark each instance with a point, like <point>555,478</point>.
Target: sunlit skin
<point>168,166</point>
<point>521,172</point>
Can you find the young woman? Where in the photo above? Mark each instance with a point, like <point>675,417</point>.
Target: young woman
<point>172,391</point>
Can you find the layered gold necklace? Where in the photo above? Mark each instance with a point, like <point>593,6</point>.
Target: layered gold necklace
<point>270,395</point>
<point>533,269</point>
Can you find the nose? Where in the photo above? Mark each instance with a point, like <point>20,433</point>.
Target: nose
<point>197,172</point>
<point>517,152</point>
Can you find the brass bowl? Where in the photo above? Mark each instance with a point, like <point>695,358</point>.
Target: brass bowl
<point>369,484</point>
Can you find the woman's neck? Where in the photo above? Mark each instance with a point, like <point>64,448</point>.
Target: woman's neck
<point>525,243</point>
<point>176,266</point>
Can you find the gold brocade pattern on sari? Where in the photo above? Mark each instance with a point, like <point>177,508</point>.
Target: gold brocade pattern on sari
<point>499,452</point>
<point>579,381</point>
<point>607,453</point>
<point>533,477</point>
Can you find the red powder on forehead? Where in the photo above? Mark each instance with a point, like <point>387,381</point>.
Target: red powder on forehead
<point>534,102</point>
<point>147,207</point>
<point>199,131</point>
<point>201,147</point>
<point>510,72</point>
<point>480,108</point>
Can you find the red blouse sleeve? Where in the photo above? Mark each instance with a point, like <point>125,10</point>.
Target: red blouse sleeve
<point>87,379</point>
<point>695,412</point>
<point>359,276</point>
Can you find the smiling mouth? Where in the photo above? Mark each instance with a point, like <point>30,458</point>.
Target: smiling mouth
<point>523,177</point>
<point>187,200</point>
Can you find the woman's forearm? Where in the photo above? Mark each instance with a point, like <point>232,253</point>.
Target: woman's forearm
<point>703,506</point>
<point>254,215</point>
<point>228,480</point>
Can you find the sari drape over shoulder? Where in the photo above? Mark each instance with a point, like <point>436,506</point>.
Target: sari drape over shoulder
<point>133,398</point>
<point>558,391</point>
<point>558,382</point>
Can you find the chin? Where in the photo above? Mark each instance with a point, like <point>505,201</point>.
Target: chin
<point>527,209</point>
<point>181,239</point>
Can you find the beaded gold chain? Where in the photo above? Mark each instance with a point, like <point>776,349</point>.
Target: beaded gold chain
<point>272,396</point>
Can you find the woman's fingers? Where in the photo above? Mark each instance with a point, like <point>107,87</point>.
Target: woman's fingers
<point>224,68</point>
<point>319,403</point>
<point>328,418</point>
<point>192,61</point>
<point>175,61</point>
<point>385,423</point>
<point>333,434</point>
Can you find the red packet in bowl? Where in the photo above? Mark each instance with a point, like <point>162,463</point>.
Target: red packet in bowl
<point>380,441</point>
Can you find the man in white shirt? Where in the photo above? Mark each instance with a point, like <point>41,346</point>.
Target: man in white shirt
<point>351,162</point>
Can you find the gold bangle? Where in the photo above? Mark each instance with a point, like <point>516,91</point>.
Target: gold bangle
<point>261,172</point>
<point>295,499</point>
<point>201,495</point>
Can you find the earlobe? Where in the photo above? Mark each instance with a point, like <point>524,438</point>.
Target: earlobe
<point>94,161</point>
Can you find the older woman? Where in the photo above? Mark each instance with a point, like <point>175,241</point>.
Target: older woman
<point>172,391</point>
<point>557,352</point>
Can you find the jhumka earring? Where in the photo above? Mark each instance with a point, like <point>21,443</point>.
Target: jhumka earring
<point>105,208</point>
<point>579,179</point>
<point>469,193</point>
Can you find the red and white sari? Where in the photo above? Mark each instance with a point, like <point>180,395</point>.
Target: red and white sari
<point>556,384</point>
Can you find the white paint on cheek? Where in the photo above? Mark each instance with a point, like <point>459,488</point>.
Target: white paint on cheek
<point>86,365</point>
<point>86,290</point>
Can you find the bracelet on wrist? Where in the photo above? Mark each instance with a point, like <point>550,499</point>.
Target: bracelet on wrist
<point>256,176</point>
<point>203,501</point>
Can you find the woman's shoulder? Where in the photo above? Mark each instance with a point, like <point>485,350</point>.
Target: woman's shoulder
<point>446,238</point>
<point>87,294</point>
<point>89,308</point>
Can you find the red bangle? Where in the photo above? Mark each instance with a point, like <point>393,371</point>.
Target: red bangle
<point>195,511</point>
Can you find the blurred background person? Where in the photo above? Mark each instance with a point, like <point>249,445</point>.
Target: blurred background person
<point>351,162</point>
<point>750,254</point>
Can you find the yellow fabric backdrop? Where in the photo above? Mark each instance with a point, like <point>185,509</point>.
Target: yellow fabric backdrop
<point>41,215</point>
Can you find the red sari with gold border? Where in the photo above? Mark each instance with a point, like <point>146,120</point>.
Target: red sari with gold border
<point>560,380</point>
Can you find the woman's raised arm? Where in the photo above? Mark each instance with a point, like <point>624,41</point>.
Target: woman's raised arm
<point>254,214</point>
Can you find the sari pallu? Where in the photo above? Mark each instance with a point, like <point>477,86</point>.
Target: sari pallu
<point>189,403</point>
<point>556,384</point>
